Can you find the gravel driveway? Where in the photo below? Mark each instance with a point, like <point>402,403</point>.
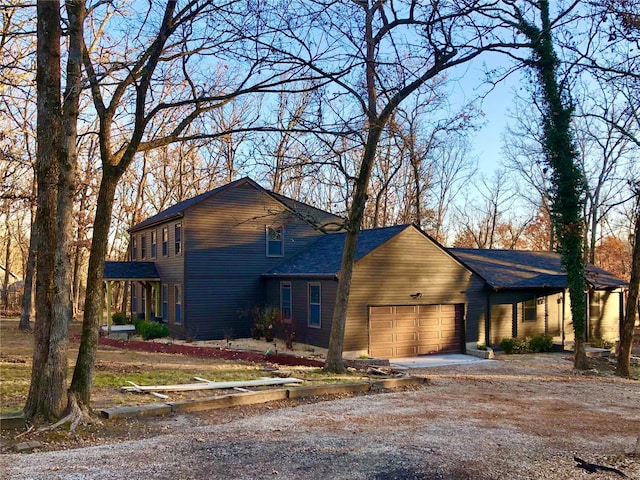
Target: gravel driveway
<point>519,418</point>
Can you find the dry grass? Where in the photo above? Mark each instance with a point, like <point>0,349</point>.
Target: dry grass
<point>115,367</point>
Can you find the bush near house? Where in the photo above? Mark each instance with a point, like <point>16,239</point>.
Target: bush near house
<point>514,345</point>
<point>119,318</point>
<point>149,330</point>
<point>538,343</point>
<point>541,343</point>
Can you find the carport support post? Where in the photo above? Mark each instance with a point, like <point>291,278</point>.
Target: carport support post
<point>149,298</point>
<point>108,307</point>
<point>158,300</point>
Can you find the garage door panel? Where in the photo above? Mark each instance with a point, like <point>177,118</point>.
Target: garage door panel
<point>415,330</point>
<point>428,309</point>
<point>379,311</point>
<point>405,337</point>
<point>428,349</point>
<point>405,323</point>
<point>426,336</point>
<point>382,351</point>
<point>400,309</point>
<point>405,351</point>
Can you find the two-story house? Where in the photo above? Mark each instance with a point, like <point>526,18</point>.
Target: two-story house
<point>203,263</point>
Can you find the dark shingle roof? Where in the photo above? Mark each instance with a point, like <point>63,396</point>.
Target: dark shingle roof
<point>325,255</point>
<point>314,216</point>
<point>525,269</point>
<point>130,271</point>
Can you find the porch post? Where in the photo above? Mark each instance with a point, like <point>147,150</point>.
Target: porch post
<point>157,297</point>
<point>149,298</point>
<point>108,307</point>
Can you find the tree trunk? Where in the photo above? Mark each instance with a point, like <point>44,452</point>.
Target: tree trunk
<point>25,316</point>
<point>626,332</point>
<point>30,269</point>
<point>83,373</point>
<point>49,371</point>
<point>7,260</point>
<point>568,182</point>
<point>334,362</point>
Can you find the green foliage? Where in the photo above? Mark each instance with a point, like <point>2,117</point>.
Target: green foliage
<point>480,346</point>
<point>538,343</point>
<point>119,318</point>
<point>265,321</point>
<point>541,343</point>
<point>514,345</point>
<point>149,330</point>
<point>600,343</point>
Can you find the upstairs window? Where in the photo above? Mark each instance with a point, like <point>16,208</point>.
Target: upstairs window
<point>165,241</point>
<point>178,239</point>
<point>134,247</point>
<point>143,246</point>
<point>154,243</point>
<point>275,241</point>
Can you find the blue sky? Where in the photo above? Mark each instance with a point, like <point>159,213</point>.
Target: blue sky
<point>487,142</point>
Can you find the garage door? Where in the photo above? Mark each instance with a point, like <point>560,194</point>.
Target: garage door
<point>410,330</point>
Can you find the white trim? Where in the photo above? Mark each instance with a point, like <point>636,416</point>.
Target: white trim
<point>309,304</point>
<point>280,230</point>
<point>286,319</point>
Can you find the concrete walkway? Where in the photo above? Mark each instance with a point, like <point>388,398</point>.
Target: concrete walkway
<point>427,361</point>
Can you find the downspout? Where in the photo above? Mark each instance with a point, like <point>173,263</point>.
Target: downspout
<point>487,321</point>
<point>546,315</point>
<point>564,299</point>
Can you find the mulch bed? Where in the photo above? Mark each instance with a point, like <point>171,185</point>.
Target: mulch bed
<point>210,352</point>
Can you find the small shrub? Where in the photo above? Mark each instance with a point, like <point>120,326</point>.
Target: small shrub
<point>480,346</point>
<point>265,321</point>
<point>514,345</point>
<point>149,330</point>
<point>600,343</point>
<point>288,334</point>
<point>256,332</point>
<point>119,318</point>
<point>541,343</point>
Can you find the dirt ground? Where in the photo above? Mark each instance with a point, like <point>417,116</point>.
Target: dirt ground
<point>520,417</point>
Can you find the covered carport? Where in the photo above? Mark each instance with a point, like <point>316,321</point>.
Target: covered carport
<point>144,273</point>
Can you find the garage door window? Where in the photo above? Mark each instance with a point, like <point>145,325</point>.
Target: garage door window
<point>314,305</point>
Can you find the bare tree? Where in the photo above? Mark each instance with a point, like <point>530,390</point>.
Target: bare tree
<point>482,214</point>
<point>536,24</point>
<point>380,54</point>
<point>162,78</point>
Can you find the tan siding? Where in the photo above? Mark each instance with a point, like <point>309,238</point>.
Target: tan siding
<point>407,264</point>
<point>501,323</point>
<point>604,315</point>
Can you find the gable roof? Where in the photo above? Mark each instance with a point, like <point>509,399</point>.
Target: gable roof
<point>177,210</point>
<point>518,269</point>
<point>324,256</point>
<point>130,271</point>
<point>312,215</point>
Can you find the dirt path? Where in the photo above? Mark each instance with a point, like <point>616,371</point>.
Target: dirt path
<point>522,417</point>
